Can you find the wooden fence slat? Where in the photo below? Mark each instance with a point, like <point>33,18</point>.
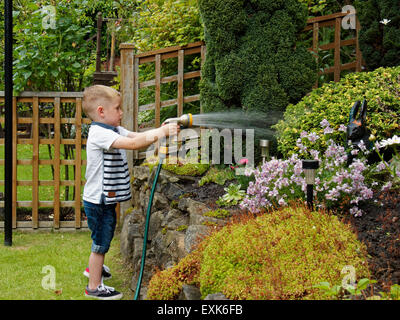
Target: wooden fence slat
<point>35,162</point>
<point>78,157</point>
<point>157,90</point>
<point>135,99</point>
<point>315,45</point>
<point>181,57</point>
<point>57,139</point>
<point>338,26</point>
<point>14,165</point>
<point>358,50</point>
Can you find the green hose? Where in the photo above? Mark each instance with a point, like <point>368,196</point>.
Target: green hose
<point>146,230</point>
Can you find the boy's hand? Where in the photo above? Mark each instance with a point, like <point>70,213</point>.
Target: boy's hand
<point>170,129</point>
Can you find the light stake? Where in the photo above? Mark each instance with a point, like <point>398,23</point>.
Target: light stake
<point>310,167</point>
<point>265,145</point>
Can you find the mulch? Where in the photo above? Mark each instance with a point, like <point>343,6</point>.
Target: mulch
<point>379,230</point>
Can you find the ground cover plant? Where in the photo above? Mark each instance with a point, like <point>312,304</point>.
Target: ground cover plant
<point>262,259</point>
<point>338,185</point>
<point>25,266</point>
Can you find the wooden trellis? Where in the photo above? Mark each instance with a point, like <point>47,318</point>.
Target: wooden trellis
<point>335,20</point>
<point>32,101</point>
<point>131,85</point>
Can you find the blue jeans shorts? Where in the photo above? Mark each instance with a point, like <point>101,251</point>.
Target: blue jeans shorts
<point>101,219</point>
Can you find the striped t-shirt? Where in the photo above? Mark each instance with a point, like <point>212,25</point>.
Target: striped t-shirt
<point>107,172</point>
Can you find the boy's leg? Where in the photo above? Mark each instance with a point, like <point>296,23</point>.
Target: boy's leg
<point>96,261</point>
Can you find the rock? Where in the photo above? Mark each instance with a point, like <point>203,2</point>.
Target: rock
<point>193,234</point>
<point>201,219</point>
<point>176,245</point>
<point>155,224</point>
<point>192,206</point>
<point>190,292</point>
<point>173,214</point>
<point>160,202</point>
<point>130,230</point>
<point>216,296</point>
<point>172,191</point>
<point>141,173</point>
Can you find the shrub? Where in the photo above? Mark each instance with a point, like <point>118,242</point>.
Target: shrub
<point>167,284</point>
<point>252,59</point>
<point>379,40</point>
<point>280,256</point>
<point>333,101</point>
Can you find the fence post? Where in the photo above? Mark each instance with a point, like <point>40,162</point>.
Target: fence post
<point>337,67</point>
<point>129,118</point>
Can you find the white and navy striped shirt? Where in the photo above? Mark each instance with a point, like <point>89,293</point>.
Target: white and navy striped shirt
<point>107,171</point>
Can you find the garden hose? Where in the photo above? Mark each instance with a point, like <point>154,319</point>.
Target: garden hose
<point>162,155</point>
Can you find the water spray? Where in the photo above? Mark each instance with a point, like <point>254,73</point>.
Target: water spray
<point>214,120</point>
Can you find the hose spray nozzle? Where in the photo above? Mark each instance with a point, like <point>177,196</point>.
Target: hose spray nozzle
<point>185,121</point>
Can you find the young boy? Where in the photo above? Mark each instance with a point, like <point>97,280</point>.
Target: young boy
<point>107,176</point>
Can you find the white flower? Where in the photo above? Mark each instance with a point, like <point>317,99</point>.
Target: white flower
<point>390,141</point>
<point>385,21</point>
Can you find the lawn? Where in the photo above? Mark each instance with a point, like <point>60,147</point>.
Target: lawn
<point>24,172</point>
<point>27,266</point>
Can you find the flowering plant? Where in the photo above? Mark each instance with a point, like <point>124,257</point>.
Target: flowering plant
<point>393,166</point>
<point>240,175</point>
<point>337,184</point>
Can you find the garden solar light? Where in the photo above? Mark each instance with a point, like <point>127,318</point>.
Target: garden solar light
<point>310,167</point>
<point>265,145</point>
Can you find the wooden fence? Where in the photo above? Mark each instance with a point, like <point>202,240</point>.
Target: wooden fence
<point>45,116</point>
<point>131,85</point>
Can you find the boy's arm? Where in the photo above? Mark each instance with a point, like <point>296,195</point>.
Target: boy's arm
<point>140,140</point>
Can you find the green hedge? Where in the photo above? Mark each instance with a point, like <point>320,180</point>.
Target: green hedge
<point>333,101</point>
<point>379,43</point>
<point>252,60</point>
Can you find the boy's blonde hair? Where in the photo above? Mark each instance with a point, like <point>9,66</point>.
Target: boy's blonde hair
<point>97,95</point>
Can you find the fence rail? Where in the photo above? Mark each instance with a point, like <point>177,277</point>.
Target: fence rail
<point>47,109</point>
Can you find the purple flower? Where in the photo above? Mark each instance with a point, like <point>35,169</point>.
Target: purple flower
<point>324,123</point>
<point>342,127</point>
<point>313,137</point>
<point>328,130</point>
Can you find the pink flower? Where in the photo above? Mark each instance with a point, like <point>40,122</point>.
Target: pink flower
<point>243,161</point>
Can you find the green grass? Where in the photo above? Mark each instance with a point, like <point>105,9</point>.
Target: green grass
<point>24,172</point>
<point>21,266</point>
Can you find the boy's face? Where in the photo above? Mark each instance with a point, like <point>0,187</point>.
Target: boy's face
<point>112,113</point>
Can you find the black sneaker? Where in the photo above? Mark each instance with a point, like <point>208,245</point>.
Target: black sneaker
<point>105,273</point>
<point>103,293</point>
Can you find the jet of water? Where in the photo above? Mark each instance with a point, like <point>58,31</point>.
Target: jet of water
<point>238,119</point>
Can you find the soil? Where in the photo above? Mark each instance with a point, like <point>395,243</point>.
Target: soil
<point>379,229</point>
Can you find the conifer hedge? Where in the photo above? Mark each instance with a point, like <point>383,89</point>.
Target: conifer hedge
<point>379,38</point>
<point>252,59</point>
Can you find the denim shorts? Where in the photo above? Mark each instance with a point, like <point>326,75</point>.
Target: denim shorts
<point>101,219</point>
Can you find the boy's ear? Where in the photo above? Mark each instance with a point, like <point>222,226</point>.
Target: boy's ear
<point>100,110</point>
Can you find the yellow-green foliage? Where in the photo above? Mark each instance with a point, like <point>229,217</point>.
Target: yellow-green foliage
<point>178,166</point>
<point>280,256</point>
<point>218,176</point>
<point>219,213</point>
<point>167,284</point>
